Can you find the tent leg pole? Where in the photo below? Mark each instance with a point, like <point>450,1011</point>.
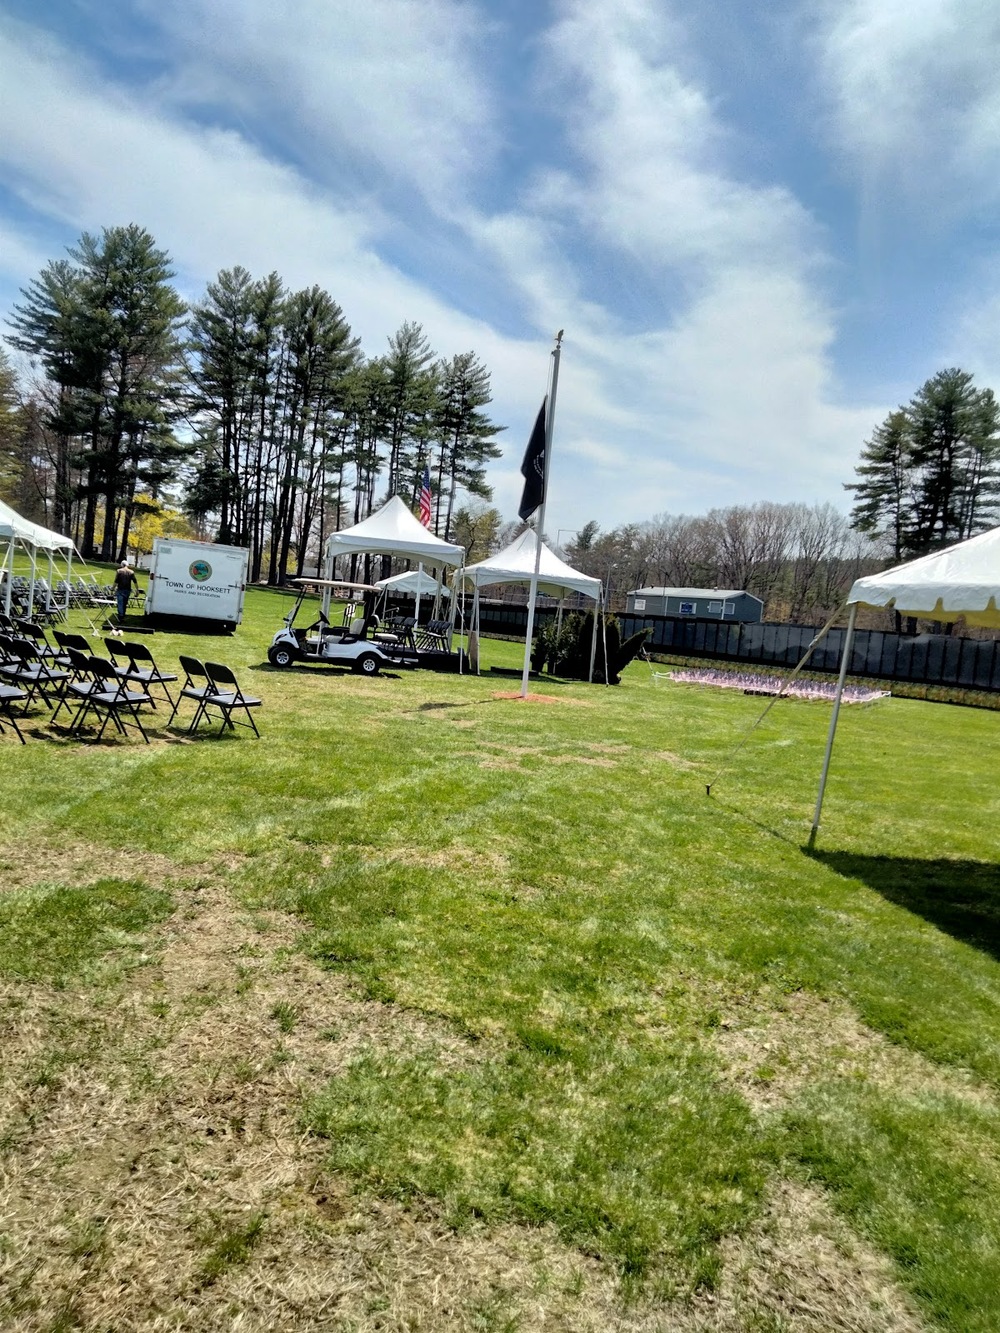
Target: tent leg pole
<point>8,582</point>
<point>598,608</point>
<point>844,660</point>
<point>475,623</point>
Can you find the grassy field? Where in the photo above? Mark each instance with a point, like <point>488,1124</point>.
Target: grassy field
<point>437,1010</point>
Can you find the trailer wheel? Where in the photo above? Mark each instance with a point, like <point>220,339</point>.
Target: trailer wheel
<point>367,665</point>
<point>280,656</point>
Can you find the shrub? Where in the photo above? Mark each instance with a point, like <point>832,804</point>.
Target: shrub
<point>568,653</point>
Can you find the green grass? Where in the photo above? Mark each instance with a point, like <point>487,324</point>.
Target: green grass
<point>229,1244</point>
<point>551,884</point>
<point>55,932</point>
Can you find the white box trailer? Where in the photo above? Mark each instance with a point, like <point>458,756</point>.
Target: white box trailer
<point>197,580</point>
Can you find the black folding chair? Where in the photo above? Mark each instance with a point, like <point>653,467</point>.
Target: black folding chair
<point>66,640</point>
<point>118,652</point>
<point>27,629</point>
<point>9,663</point>
<point>196,686</point>
<point>24,668</point>
<point>9,696</point>
<point>228,698</point>
<point>82,682</point>
<point>113,699</point>
<point>142,670</point>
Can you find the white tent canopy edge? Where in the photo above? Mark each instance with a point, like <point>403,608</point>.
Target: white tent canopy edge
<point>412,583</point>
<point>393,530</point>
<point>962,581</point>
<point>32,538</point>
<point>516,564</point>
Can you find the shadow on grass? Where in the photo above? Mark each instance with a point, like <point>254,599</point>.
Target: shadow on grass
<point>730,809</point>
<point>961,898</point>
<point>319,669</point>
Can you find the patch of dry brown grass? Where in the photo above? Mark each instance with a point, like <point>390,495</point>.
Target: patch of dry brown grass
<point>27,862</point>
<point>158,1176</point>
<point>668,757</point>
<point>773,1049</point>
<point>804,1268</point>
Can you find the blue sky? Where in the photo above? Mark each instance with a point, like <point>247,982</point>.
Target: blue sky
<point>761,226</point>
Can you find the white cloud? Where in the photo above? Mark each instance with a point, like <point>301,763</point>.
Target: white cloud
<point>733,397</point>
<point>727,397</point>
<point>95,156</point>
<point>915,90</point>
<point>391,86</point>
<point>657,179</point>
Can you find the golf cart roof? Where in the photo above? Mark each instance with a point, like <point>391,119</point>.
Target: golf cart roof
<point>338,583</point>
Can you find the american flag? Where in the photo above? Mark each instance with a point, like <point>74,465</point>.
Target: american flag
<point>425,499</point>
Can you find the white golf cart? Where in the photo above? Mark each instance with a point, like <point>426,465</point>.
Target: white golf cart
<point>356,643</point>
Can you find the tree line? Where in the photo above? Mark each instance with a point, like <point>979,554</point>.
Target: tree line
<point>929,476</point>
<point>799,559</point>
<point>256,402</point>
<point>257,405</point>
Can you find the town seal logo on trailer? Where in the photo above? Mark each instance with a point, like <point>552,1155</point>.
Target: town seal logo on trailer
<point>200,570</point>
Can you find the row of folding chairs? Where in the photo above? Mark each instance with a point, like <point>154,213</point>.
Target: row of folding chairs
<point>112,689</point>
<point>435,634</point>
<point>38,600</point>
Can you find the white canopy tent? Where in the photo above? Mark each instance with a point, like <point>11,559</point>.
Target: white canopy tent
<point>516,564</point>
<point>33,539</point>
<point>414,583</point>
<point>393,530</point>
<point>960,582</point>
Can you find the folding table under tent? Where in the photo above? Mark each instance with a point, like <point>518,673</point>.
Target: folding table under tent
<point>33,539</point>
<point>392,530</point>
<point>960,582</point>
<point>516,564</point>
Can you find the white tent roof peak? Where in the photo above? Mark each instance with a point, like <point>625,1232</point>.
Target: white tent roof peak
<point>960,581</point>
<point>394,530</point>
<point>516,564</point>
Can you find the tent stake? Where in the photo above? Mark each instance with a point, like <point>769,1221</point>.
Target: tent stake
<point>848,637</point>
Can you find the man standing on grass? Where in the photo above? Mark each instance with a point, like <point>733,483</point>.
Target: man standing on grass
<point>124,580</point>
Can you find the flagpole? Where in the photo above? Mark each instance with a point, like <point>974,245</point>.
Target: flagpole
<point>550,416</point>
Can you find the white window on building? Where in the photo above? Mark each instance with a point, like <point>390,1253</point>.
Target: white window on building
<point>721,608</point>
<point>639,604</point>
<point>688,609</point>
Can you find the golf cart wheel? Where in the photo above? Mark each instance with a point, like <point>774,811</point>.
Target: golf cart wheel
<point>280,656</point>
<point>367,665</point>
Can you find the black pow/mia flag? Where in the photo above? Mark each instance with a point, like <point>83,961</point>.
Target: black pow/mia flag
<point>533,468</point>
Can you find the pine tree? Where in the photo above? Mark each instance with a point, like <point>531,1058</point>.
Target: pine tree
<point>106,326</point>
<point>884,498</point>
<point>10,430</point>
<point>465,433</point>
<point>930,474</point>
